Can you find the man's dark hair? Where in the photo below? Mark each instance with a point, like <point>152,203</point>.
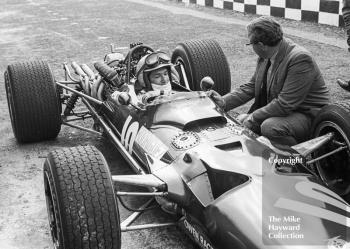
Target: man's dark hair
<point>265,29</point>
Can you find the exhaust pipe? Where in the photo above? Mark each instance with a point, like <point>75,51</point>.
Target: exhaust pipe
<point>77,69</point>
<point>88,71</point>
<point>92,79</point>
<point>84,78</point>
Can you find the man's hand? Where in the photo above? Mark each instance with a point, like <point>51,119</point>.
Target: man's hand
<point>247,121</point>
<point>217,98</point>
<point>241,117</point>
<point>343,84</point>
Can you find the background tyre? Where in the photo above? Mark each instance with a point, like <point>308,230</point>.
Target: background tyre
<point>202,58</point>
<point>33,102</point>
<point>81,204</point>
<point>334,170</point>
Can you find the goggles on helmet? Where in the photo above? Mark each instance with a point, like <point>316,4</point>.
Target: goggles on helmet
<point>155,59</point>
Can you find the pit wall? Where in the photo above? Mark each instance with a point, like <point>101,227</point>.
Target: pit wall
<point>319,11</point>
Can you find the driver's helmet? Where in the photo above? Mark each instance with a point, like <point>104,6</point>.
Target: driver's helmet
<point>147,64</point>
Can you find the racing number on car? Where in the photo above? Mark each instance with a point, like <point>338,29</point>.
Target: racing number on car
<point>318,192</point>
<point>129,134</point>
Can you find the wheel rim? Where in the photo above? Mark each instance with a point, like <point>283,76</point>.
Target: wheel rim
<point>10,100</point>
<point>51,212</point>
<point>334,170</point>
<point>181,62</point>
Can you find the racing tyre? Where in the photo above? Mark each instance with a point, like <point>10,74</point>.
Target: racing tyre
<point>202,58</point>
<point>334,170</point>
<point>33,101</point>
<point>80,200</point>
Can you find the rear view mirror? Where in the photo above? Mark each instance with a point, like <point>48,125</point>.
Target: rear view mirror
<point>206,83</point>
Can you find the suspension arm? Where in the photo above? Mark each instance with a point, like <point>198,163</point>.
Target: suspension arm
<point>83,95</point>
<point>327,154</point>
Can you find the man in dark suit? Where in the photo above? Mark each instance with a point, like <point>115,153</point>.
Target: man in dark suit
<point>346,17</point>
<point>287,86</point>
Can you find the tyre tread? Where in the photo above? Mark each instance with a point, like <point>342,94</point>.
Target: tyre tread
<point>88,204</point>
<point>208,59</point>
<point>36,112</point>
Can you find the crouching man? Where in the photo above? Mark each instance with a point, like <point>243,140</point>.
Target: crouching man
<point>287,86</point>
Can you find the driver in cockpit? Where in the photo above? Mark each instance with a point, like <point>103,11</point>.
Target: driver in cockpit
<point>154,74</point>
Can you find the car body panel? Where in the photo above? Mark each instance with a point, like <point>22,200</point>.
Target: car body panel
<point>224,176</point>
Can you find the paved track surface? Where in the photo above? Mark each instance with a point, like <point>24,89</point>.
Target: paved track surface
<point>81,30</point>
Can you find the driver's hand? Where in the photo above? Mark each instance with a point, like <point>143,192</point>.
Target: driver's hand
<point>149,96</point>
<point>217,98</point>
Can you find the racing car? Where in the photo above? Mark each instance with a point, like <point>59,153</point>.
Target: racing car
<point>224,185</point>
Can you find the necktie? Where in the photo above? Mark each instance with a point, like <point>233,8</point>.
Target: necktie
<point>263,94</point>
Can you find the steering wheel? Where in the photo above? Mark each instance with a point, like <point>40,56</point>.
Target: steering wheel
<point>137,52</point>
<point>134,55</point>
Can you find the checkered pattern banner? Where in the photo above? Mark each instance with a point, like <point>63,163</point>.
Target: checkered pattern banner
<point>320,11</point>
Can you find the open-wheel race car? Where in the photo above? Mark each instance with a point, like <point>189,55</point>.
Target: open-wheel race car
<point>224,185</point>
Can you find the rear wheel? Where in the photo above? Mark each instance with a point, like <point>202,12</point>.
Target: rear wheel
<point>33,102</point>
<point>81,204</point>
<point>334,170</point>
<point>202,58</point>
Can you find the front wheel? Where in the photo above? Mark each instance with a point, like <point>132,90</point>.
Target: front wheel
<point>334,169</point>
<point>80,200</point>
<point>200,58</point>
